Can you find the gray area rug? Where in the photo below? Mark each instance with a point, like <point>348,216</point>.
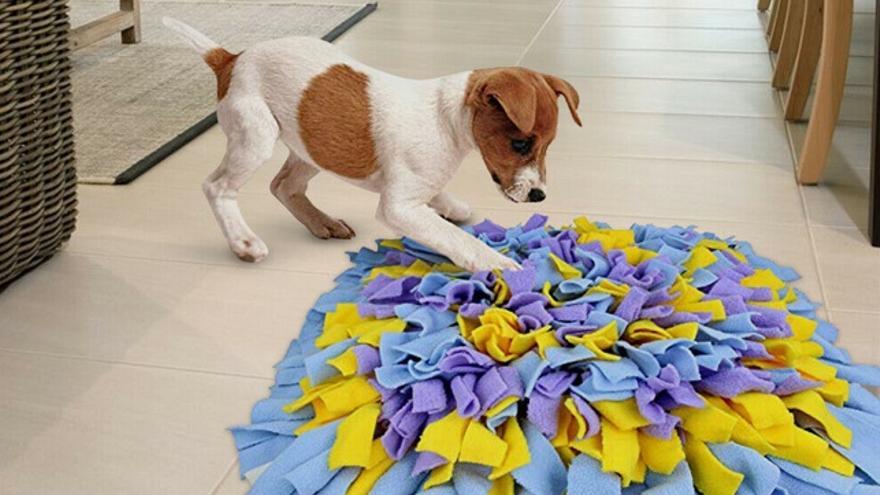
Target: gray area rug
<point>135,104</point>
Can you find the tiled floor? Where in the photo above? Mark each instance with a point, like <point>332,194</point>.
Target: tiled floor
<point>124,358</point>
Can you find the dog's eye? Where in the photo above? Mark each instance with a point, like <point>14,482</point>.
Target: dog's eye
<point>521,146</point>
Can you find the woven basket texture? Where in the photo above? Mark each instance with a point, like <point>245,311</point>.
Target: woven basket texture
<point>37,175</point>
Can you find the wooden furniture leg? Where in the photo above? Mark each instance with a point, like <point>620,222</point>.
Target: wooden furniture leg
<point>774,11</point>
<point>132,34</point>
<point>806,61</point>
<point>788,48</point>
<point>836,35</point>
<point>127,20</point>
<point>778,25</point>
<point>763,5</point>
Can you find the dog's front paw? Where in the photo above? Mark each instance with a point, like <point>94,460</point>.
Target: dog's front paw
<point>490,260</point>
<point>451,208</point>
<point>250,249</point>
<point>460,213</point>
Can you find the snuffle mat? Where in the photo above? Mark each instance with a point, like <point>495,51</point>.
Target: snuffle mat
<point>662,361</point>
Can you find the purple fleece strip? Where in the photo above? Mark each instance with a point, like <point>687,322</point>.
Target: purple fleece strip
<point>732,382</point>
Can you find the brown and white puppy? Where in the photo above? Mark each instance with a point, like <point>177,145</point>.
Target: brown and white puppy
<point>399,137</point>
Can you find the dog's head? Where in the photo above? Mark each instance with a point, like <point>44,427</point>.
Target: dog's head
<point>515,116</point>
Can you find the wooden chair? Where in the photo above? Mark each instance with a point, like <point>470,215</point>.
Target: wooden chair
<point>778,14</point>
<point>789,43</point>
<point>811,37</point>
<point>801,79</point>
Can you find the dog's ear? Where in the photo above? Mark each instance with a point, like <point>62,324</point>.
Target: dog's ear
<point>510,91</point>
<point>564,88</point>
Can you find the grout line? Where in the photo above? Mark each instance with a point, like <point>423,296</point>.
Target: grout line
<point>857,311</point>
<point>652,50</point>
<point>662,78</point>
<point>557,48</point>
<point>223,476</point>
<point>94,254</point>
<point>663,26</point>
<point>805,210</point>
<point>823,292</point>
<point>694,79</point>
<point>74,357</point>
<point>538,33</point>
<point>662,7</point>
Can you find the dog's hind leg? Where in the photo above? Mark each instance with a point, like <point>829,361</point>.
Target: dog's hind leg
<point>289,186</point>
<point>251,132</point>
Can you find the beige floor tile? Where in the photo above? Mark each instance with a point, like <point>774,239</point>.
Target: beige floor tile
<point>860,71</point>
<point>859,334</point>
<point>232,484</point>
<point>683,137</point>
<point>420,30</point>
<point>666,17</point>
<point>81,427</point>
<point>671,96</point>
<point>655,188</point>
<point>850,148</point>
<point>426,60</point>
<point>236,320</point>
<point>855,109</point>
<point>850,268</point>
<point>841,199</point>
<point>465,11</point>
<point>663,4</point>
<point>134,222</point>
<point>560,33</point>
<point>863,33</point>
<point>753,67</point>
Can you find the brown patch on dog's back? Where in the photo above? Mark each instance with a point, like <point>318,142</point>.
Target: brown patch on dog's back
<point>334,122</point>
<point>221,62</point>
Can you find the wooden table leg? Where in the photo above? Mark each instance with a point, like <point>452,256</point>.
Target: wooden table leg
<point>874,194</point>
<point>132,34</point>
<point>836,35</point>
<point>788,48</point>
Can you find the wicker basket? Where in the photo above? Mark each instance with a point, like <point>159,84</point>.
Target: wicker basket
<point>37,176</point>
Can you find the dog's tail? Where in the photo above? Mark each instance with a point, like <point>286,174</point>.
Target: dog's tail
<point>201,43</point>
<point>218,58</point>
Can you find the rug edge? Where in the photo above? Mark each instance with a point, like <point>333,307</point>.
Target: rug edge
<point>164,151</point>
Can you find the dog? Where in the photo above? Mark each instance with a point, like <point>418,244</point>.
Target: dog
<point>401,138</point>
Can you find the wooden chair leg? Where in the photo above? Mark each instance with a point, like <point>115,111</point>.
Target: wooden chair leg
<point>774,11</point>
<point>791,38</point>
<point>805,64</point>
<point>836,36</point>
<point>132,34</point>
<point>778,25</point>
<point>763,5</point>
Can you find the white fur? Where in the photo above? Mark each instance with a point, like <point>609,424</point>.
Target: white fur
<point>526,179</point>
<point>422,131</point>
<point>201,43</point>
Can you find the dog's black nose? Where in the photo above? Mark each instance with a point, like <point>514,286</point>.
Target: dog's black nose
<point>536,195</point>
